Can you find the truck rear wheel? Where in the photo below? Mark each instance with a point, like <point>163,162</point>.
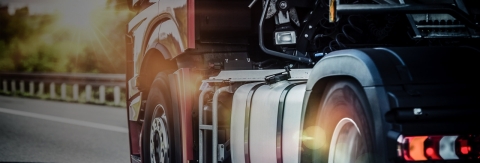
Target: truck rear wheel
<point>157,139</point>
<point>343,116</point>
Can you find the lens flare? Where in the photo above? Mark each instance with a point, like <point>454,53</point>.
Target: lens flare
<point>313,137</point>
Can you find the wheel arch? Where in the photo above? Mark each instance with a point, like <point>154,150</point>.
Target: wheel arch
<point>165,42</point>
<point>154,62</point>
<point>167,34</point>
<point>350,64</point>
<point>153,31</point>
<point>315,94</point>
<point>356,66</point>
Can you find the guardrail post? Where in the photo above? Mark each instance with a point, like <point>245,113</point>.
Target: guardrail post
<point>14,89</point>
<point>22,86</point>
<point>5,86</point>
<point>31,88</point>
<point>75,92</point>
<point>52,91</point>
<point>101,90</point>
<point>63,89</point>
<point>116,95</point>
<point>88,93</point>
<point>44,86</point>
<point>40,89</point>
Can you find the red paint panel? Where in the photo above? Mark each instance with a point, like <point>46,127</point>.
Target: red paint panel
<point>134,131</point>
<point>191,24</point>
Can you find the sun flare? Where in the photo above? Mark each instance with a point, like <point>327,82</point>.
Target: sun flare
<point>79,14</point>
<point>78,33</point>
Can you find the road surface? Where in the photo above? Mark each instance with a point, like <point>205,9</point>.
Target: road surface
<point>34,130</point>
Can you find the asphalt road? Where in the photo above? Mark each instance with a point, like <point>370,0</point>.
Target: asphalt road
<point>47,131</point>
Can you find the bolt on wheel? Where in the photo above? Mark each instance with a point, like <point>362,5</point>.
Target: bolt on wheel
<point>158,141</point>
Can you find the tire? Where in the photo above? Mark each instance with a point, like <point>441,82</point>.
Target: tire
<point>157,132</point>
<point>345,124</point>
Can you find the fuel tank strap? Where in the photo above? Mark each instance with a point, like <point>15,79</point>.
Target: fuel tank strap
<point>281,110</point>
<point>247,121</point>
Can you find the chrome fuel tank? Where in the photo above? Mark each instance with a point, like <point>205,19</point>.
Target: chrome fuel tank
<point>265,124</point>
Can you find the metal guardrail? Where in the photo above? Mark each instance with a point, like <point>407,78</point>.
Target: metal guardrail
<point>88,88</point>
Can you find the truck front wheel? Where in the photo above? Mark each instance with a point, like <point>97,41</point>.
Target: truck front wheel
<point>343,116</point>
<point>157,134</point>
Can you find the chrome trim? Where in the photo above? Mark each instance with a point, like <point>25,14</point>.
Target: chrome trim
<point>200,123</point>
<point>256,75</point>
<point>134,108</point>
<point>215,121</point>
<point>132,88</point>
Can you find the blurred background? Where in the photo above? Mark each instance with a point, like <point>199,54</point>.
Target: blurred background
<point>74,36</point>
<point>62,82</point>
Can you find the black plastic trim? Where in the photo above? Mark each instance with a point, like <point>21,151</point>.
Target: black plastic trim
<point>445,114</point>
<point>405,9</point>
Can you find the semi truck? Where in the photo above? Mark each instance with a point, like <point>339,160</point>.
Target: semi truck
<point>287,81</point>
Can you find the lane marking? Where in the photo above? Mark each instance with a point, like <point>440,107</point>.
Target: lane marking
<point>65,120</point>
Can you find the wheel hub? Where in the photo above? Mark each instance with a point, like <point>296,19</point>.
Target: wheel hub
<point>158,142</point>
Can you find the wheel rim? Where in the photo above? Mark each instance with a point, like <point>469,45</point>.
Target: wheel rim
<point>159,146</point>
<point>347,144</point>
